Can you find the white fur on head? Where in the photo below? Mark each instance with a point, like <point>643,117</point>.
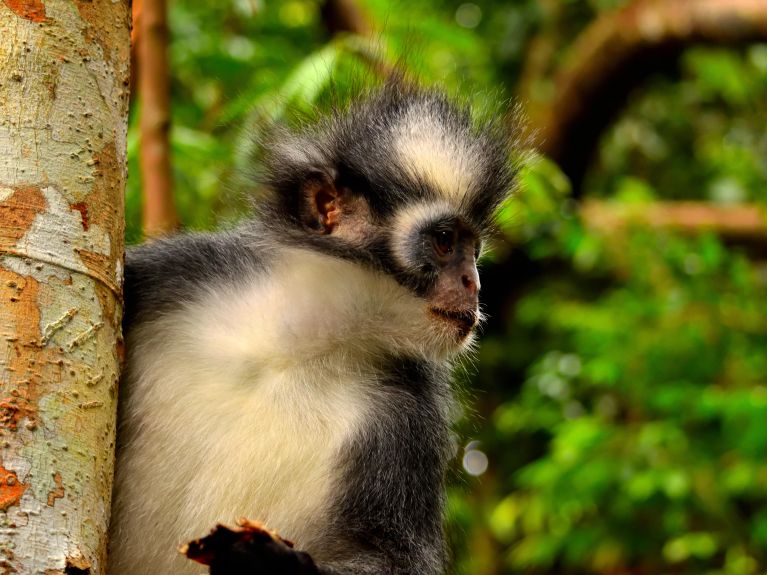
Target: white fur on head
<point>429,152</point>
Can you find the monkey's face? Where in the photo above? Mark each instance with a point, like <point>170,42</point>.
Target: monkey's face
<point>407,183</point>
<point>454,298</point>
<point>435,250</point>
<point>428,246</point>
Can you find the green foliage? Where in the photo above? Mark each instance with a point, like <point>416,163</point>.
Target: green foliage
<point>237,65</point>
<point>642,418</point>
<point>623,402</point>
<point>699,136</point>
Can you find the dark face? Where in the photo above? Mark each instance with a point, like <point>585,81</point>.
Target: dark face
<point>450,249</point>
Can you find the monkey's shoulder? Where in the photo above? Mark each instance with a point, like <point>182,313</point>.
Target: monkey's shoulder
<point>165,273</point>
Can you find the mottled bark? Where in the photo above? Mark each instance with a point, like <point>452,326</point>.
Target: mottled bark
<point>63,117</point>
<point>159,213</point>
<point>616,53</point>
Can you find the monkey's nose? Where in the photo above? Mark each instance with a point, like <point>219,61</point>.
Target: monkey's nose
<point>471,284</point>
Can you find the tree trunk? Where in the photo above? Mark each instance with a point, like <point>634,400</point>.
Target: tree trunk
<point>154,93</point>
<point>63,117</point>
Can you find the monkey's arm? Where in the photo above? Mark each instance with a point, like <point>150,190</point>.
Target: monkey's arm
<point>391,508</point>
<point>251,549</point>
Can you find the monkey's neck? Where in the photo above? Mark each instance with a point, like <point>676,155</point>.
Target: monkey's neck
<point>314,308</point>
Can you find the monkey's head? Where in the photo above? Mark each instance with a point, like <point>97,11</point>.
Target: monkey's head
<point>403,181</point>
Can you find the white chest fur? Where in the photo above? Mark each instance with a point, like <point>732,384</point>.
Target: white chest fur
<point>205,449</point>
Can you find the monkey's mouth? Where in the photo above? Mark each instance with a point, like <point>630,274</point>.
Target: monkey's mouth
<point>464,320</point>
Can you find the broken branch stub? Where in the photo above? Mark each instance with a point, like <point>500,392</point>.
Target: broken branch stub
<point>247,550</point>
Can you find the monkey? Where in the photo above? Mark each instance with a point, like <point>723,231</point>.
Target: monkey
<point>296,370</point>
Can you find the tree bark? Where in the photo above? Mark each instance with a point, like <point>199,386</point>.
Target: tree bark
<point>159,214</point>
<point>616,53</point>
<point>64,67</point>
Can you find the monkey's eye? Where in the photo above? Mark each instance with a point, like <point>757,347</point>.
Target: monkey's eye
<point>443,242</point>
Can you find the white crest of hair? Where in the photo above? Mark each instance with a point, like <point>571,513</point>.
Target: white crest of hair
<point>430,152</point>
<point>271,378</point>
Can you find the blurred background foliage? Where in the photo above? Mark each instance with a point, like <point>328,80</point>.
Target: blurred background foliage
<point>617,418</point>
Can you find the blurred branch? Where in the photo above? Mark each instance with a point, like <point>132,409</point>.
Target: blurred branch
<point>135,15</point>
<point>540,54</point>
<point>617,52</point>
<point>159,215</point>
<point>345,16</point>
<point>348,17</point>
<point>745,222</point>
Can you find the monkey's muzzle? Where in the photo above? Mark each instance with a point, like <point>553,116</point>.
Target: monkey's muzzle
<point>464,320</point>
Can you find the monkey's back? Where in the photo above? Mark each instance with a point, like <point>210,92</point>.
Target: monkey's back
<point>165,273</point>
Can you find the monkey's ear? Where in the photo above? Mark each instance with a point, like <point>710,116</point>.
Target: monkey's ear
<point>322,203</point>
